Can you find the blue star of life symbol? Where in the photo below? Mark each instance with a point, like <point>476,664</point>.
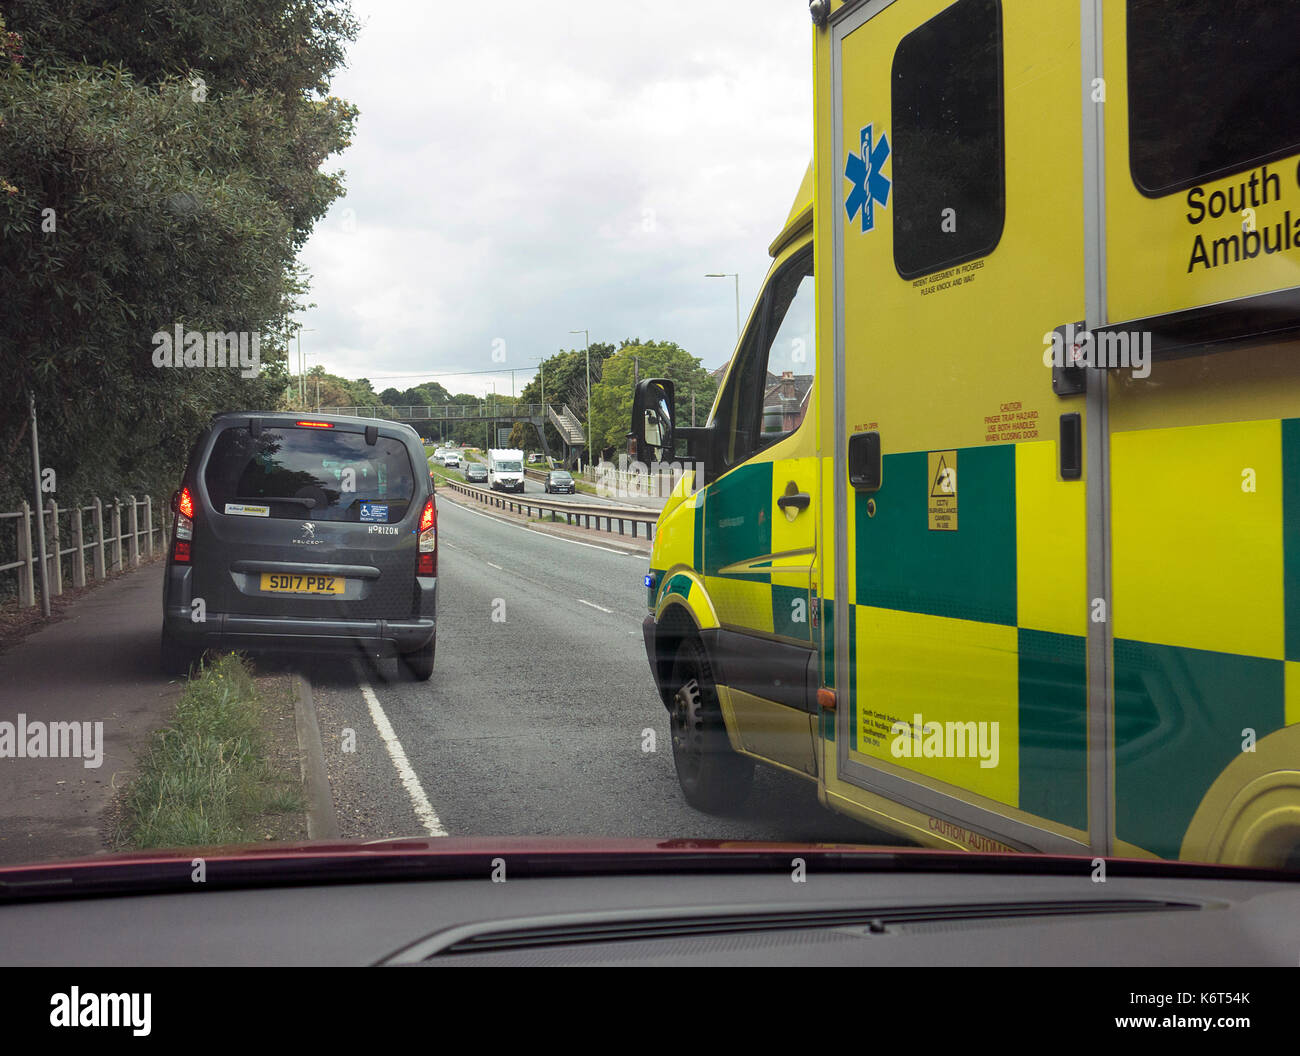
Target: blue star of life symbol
<point>870,184</point>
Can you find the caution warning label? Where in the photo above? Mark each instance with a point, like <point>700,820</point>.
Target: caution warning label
<point>942,502</point>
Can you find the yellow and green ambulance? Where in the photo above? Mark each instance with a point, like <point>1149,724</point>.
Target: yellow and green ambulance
<point>993,532</point>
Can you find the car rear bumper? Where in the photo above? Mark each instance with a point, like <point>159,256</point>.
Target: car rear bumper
<point>297,634</point>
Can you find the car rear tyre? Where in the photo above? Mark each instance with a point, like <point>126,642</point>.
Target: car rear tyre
<point>177,659</point>
<point>713,777</point>
<point>418,666</point>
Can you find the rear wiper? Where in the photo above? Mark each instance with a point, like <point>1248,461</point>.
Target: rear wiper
<point>309,503</point>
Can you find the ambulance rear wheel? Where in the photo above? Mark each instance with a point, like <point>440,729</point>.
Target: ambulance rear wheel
<point>714,778</point>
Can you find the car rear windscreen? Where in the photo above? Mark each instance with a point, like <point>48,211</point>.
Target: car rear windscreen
<point>322,474</point>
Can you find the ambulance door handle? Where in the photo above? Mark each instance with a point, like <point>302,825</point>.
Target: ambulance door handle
<point>1071,446</point>
<point>798,499</point>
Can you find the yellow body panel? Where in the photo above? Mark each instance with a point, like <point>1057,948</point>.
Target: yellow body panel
<point>976,683</point>
<point>1182,492</point>
<point>1049,523</point>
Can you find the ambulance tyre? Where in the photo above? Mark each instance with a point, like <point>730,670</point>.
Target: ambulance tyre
<point>714,777</point>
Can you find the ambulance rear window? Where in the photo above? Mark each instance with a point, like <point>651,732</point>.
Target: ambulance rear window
<point>948,184</point>
<point>1213,88</point>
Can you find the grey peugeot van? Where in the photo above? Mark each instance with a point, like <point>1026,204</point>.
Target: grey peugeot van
<point>303,533</point>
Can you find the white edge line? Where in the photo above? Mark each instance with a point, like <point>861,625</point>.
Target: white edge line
<point>595,606</point>
<point>424,811</point>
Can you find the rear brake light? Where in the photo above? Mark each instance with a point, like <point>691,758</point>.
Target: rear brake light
<point>184,526</point>
<point>315,425</point>
<point>427,562</point>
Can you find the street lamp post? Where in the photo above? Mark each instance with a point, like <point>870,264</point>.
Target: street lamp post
<point>302,368</point>
<point>730,275</point>
<point>587,337</point>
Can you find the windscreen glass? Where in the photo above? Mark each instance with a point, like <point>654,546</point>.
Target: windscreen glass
<point>323,474</point>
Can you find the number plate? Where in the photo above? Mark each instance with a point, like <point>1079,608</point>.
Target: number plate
<point>296,583</point>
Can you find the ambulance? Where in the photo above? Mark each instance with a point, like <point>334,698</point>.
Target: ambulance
<point>993,531</point>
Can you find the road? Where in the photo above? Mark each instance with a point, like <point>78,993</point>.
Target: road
<point>535,487</point>
<point>533,722</point>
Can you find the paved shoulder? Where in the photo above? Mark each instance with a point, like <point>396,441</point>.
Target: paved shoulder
<point>97,668</point>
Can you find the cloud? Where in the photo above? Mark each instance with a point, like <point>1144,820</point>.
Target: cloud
<point>521,170</point>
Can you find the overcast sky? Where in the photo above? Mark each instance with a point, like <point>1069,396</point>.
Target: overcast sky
<point>523,169</point>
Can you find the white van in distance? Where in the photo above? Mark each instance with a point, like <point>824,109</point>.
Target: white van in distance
<point>506,469</point>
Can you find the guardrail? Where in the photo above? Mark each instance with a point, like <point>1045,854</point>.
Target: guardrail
<point>111,548</point>
<point>585,513</point>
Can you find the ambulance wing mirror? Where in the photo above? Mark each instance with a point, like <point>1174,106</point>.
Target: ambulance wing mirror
<point>866,468</point>
<point>652,420</point>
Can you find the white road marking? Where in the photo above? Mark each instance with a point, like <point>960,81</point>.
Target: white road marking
<point>423,808</point>
<point>497,567</point>
<point>595,606</point>
<point>548,535</point>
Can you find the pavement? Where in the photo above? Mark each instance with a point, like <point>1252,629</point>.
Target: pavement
<point>99,664</point>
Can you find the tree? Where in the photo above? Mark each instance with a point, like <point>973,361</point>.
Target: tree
<point>522,434</point>
<point>160,166</point>
<point>428,394</point>
<point>565,377</point>
<point>329,390</point>
<point>612,398</point>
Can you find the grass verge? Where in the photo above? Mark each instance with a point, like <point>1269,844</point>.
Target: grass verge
<point>218,774</point>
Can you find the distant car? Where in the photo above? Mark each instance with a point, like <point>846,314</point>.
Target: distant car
<point>560,482</point>
<point>451,458</point>
<point>476,473</point>
<point>437,458</point>
<point>534,457</point>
